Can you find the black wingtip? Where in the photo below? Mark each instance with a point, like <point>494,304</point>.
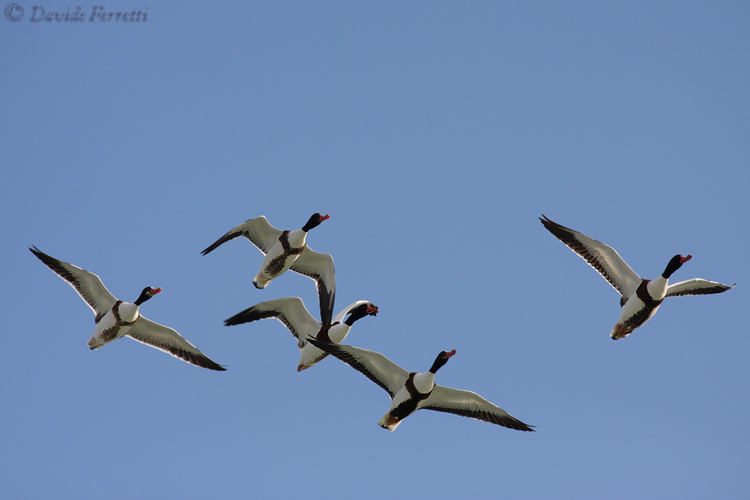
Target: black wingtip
<point>210,248</point>
<point>48,260</point>
<point>248,315</point>
<point>320,344</point>
<point>201,361</point>
<point>237,319</point>
<point>313,340</point>
<point>211,365</point>
<point>547,221</point>
<point>517,425</point>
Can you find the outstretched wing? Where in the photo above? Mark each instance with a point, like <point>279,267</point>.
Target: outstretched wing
<point>262,234</point>
<point>168,340</point>
<point>319,266</point>
<point>601,257</point>
<point>471,404</point>
<point>373,365</point>
<point>696,286</point>
<point>88,285</point>
<point>291,311</point>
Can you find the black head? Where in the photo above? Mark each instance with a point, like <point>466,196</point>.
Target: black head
<point>146,294</point>
<point>441,359</point>
<point>314,221</point>
<point>674,264</point>
<point>360,312</point>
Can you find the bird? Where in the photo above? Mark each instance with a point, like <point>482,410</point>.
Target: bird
<point>291,311</point>
<point>414,391</point>
<point>287,250</point>
<point>117,318</point>
<point>640,298</point>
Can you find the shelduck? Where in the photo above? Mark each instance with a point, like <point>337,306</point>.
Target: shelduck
<point>293,314</point>
<point>640,298</point>
<point>287,250</point>
<point>414,391</point>
<point>117,318</point>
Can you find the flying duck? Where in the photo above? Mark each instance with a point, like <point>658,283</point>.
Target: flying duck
<point>414,391</point>
<point>117,318</point>
<point>294,315</point>
<point>287,250</point>
<point>640,298</point>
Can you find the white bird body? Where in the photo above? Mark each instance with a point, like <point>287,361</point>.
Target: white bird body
<point>116,318</point>
<point>411,391</point>
<point>280,257</point>
<point>114,324</point>
<point>285,250</point>
<point>640,298</point>
<point>423,384</point>
<point>635,305</point>
<point>657,288</point>
<point>293,314</point>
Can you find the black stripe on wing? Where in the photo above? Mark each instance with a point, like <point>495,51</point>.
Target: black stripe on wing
<point>717,288</point>
<point>262,234</point>
<point>227,237</point>
<point>201,361</point>
<point>506,421</point>
<point>567,236</point>
<point>349,359</point>
<point>56,266</point>
<point>88,285</point>
<point>326,299</point>
<point>319,267</point>
<point>471,404</point>
<point>254,314</point>
<point>168,340</point>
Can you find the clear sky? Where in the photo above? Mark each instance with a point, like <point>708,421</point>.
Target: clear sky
<point>434,134</point>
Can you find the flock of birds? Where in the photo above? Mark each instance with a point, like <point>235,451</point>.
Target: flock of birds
<point>409,391</point>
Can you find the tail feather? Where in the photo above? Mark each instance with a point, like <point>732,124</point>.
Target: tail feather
<point>620,331</point>
<point>389,422</point>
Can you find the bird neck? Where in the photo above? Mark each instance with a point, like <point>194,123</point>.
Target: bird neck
<point>357,314</point>
<point>674,264</point>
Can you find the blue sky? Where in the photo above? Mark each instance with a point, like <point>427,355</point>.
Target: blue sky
<point>434,134</point>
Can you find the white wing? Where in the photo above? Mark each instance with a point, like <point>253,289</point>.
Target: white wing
<point>373,365</point>
<point>88,285</point>
<point>319,266</point>
<point>601,257</point>
<point>262,234</point>
<point>168,340</point>
<point>471,404</point>
<point>291,311</point>
<point>696,286</point>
